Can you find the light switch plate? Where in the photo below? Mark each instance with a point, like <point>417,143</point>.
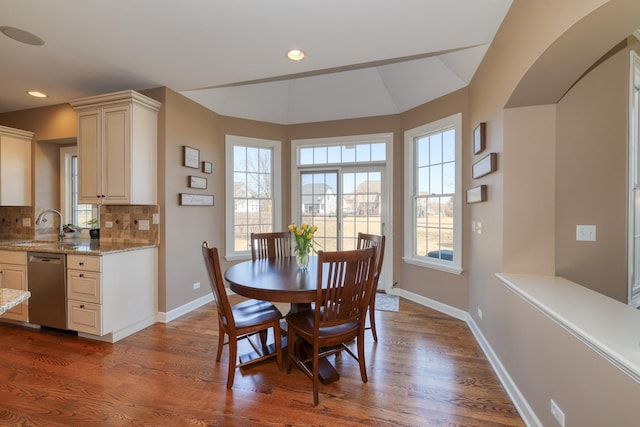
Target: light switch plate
<point>586,233</point>
<point>156,218</point>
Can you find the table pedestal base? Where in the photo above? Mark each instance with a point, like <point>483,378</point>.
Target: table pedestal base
<point>326,371</point>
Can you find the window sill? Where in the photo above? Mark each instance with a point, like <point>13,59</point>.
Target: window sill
<point>446,267</point>
<point>238,257</point>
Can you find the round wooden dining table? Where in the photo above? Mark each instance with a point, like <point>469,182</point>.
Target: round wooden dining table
<point>280,280</point>
<point>275,280</point>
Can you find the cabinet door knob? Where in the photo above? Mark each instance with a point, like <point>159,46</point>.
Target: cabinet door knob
<point>81,263</point>
<point>81,305</point>
<point>81,274</point>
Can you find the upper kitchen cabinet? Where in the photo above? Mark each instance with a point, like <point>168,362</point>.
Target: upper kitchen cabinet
<point>15,167</point>
<point>117,148</point>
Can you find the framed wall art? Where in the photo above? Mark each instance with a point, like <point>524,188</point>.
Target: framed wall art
<point>477,194</point>
<point>187,199</point>
<point>197,182</point>
<point>485,166</point>
<point>207,167</point>
<point>479,138</point>
<point>191,157</point>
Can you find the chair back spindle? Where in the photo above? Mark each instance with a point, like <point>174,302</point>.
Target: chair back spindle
<point>270,245</point>
<point>212,262</point>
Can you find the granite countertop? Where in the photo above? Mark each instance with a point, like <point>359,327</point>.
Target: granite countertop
<point>9,298</point>
<point>72,246</point>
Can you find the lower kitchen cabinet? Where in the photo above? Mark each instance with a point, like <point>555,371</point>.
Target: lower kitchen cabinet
<point>13,275</point>
<point>112,296</point>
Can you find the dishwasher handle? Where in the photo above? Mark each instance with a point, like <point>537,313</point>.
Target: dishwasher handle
<point>45,259</point>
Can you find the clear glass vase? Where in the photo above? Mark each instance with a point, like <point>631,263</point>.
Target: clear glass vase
<point>302,259</point>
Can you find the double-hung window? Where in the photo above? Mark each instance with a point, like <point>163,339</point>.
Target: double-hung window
<point>433,213</point>
<point>72,211</point>
<point>253,191</point>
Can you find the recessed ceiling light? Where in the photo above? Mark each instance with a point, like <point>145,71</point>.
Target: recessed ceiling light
<point>21,36</point>
<point>37,94</point>
<point>295,55</point>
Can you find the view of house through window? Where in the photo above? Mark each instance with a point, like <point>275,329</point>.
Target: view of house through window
<point>253,171</point>
<point>433,180</point>
<point>433,201</point>
<point>340,188</point>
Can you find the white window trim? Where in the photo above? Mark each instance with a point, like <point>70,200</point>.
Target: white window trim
<point>454,266</point>
<point>66,154</point>
<point>276,146</point>
<point>388,164</point>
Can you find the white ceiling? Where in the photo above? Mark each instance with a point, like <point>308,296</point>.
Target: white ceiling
<point>364,57</point>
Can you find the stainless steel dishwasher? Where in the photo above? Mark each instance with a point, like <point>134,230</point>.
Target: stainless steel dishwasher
<point>47,281</point>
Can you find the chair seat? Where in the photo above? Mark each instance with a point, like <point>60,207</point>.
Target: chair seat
<point>254,312</point>
<point>303,321</point>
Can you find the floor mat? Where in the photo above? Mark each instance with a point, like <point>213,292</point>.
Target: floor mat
<point>386,302</point>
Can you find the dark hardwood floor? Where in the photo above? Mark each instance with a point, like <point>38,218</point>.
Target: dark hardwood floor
<point>426,370</point>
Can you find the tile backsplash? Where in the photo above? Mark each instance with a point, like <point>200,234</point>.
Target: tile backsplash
<point>18,222</point>
<point>125,223</point>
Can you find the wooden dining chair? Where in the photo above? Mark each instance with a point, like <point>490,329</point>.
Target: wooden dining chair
<point>270,245</point>
<point>345,283</point>
<point>366,241</point>
<point>242,321</point>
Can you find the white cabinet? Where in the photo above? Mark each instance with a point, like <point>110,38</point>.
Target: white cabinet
<point>112,296</point>
<point>13,275</point>
<point>84,296</point>
<point>15,167</point>
<point>117,148</point>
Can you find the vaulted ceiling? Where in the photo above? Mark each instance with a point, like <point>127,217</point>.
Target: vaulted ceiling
<point>364,57</point>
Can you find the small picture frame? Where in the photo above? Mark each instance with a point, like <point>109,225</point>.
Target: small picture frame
<point>207,167</point>
<point>197,182</point>
<point>187,199</point>
<point>488,164</point>
<point>191,157</point>
<point>477,194</point>
<point>479,138</point>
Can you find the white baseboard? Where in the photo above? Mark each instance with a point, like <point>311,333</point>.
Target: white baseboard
<point>116,336</point>
<point>524,409</point>
<point>166,317</point>
<point>436,305</point>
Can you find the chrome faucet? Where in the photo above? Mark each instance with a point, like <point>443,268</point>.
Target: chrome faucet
<point>41,219</point>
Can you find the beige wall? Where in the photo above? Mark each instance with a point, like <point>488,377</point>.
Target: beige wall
<point>591,186</point>
<point>544,360</point>
<point>544,132</point>
<point>58,122</point>
<point>183,228</point>
<point>529,194</point>
<point>443,287</point>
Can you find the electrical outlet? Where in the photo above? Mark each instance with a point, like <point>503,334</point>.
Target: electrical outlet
<point>143,224</point>
<point>196,286</point>
<point>26,222</point>
<point>479,313</point>
<point>108,224</point>
<point>557,413</point>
